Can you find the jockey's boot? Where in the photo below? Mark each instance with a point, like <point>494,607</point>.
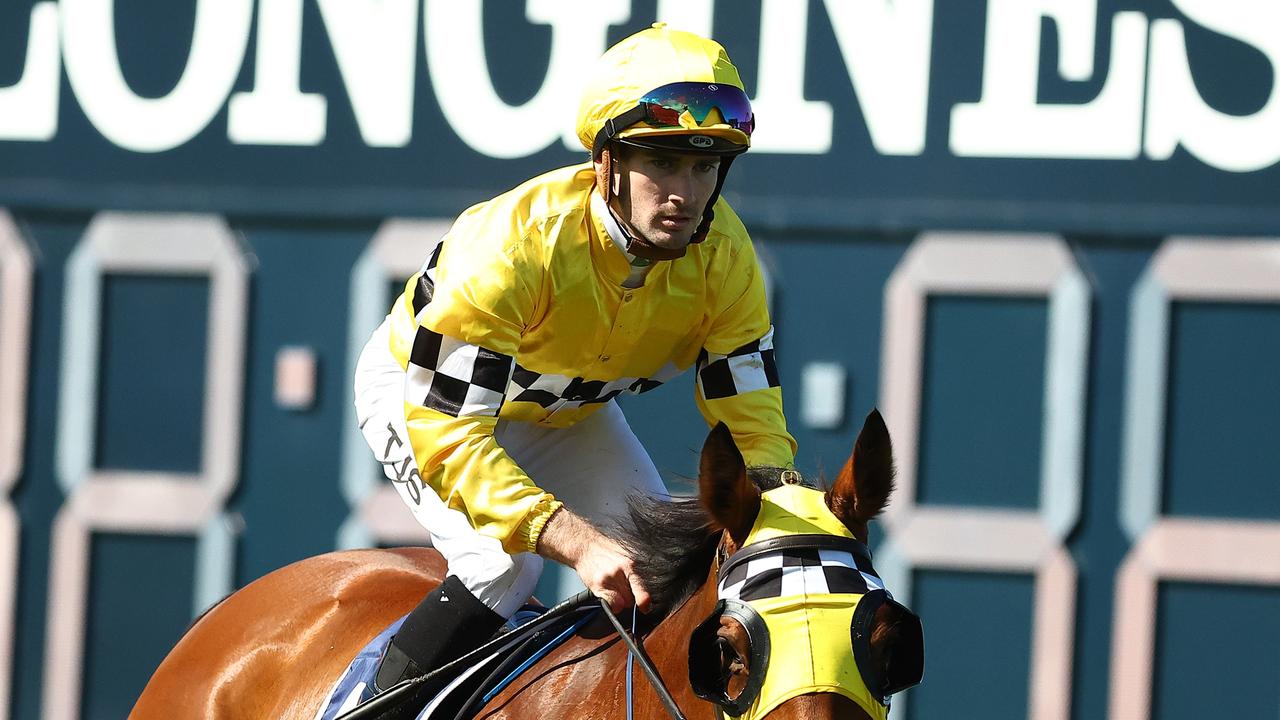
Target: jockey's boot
<point>447,624</point>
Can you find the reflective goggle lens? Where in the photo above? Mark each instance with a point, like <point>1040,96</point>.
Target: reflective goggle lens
<point>663,106</point>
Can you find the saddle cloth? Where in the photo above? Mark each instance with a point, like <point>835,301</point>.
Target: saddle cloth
<point>353,685</point>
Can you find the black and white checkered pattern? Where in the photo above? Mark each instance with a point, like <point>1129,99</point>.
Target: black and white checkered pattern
<point>800,571</point>
<point>461,379</point>
<point>426,286</point>
<point>750,367</point>
<point>454,377</point>
<point>560,391</point>
<point>465,380</point>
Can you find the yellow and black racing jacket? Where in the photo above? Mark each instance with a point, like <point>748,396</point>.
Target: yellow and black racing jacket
<point>521,314</point>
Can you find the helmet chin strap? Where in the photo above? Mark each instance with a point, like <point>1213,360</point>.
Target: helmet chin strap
<point>637,245</point>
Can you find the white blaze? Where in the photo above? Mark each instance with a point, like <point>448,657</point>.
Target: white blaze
<point>153,124</point>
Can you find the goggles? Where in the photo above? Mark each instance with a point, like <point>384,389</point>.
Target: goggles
<point>683,105</point>
<point>664,106</point>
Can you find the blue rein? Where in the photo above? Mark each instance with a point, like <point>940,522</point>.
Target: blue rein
<point>637,650</point>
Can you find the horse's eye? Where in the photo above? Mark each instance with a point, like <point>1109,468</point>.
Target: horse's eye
<point>728,655</point>
<point>733,668</point>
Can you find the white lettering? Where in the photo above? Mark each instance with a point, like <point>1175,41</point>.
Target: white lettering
<point>29,109</point>
<point>375,43</point>
<point>276,112</point>
<point>1176,114</point>
<point>693,16</point>
<point>459,73</point>
<point>886,47</point>
<point>789,123</point>
<point>146,124</point>
<point>1008,122</point>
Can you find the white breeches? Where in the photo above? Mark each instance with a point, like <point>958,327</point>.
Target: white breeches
<point>591,467</point>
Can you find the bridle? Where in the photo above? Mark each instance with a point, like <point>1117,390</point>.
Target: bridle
<point>802,587</point>
<point>732,569</point>
<point>726,562</point>
<point>702,639</point>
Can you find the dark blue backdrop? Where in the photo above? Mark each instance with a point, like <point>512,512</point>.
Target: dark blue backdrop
<point>835,227</point>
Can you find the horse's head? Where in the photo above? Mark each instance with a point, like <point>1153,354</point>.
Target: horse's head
<point>803,626</point>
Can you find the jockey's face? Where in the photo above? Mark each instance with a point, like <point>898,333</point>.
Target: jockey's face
<point>661,194</point>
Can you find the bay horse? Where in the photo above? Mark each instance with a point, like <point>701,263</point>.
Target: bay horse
<point>274,648</point>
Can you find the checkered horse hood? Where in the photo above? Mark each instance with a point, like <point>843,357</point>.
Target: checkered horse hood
<point>807,598</point>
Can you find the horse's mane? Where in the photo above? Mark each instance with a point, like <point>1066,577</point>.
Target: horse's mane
<point>672,542</point>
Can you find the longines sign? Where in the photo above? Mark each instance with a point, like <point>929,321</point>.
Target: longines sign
<point>422,75</point>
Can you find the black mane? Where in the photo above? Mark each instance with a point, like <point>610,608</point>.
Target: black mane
<point>672,542</point>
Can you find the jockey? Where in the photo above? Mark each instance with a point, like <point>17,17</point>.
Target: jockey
<point>493,378</point>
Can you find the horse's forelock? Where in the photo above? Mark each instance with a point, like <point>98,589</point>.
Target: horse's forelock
<point>672,541</point>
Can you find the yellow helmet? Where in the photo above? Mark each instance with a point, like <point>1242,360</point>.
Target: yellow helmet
<point>666,88</point>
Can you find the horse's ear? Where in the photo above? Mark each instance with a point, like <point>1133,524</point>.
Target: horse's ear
<point>724,490</point>
<point>862,489</point>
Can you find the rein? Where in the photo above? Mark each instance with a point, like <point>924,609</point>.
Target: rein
<point>637,650</point>
<point>583,604</point>
<point>405,689</point>
<point>583,601</point>
<point>725,565</point>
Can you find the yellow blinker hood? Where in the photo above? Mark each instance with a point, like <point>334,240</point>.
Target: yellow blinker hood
<point>810,632</point>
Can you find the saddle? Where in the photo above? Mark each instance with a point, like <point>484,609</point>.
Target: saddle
<point>459,689</point>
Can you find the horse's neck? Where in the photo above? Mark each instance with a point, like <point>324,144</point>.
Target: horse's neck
<point>672,635</point>
<point>680,623</point>
<point>590,673</point>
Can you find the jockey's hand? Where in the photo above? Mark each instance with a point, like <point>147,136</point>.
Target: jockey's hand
<point>603,565</point>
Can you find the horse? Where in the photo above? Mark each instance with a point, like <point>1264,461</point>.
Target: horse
<point>274,648</point>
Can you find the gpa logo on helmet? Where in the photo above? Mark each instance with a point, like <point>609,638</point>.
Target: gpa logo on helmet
<point>701,141</point>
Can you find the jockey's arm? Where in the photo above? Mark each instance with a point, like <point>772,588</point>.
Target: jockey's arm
<point>456,338</point>
<point>737,375</point>
<point>604,566</point>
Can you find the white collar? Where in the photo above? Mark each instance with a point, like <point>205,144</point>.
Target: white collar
<point>640,267</point>
<point>620,238</point>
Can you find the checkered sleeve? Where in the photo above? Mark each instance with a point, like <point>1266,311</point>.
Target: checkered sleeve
<point>741,389</point>
<point>747,368</point>
<point>463,317</point>
<point>737,372</point>
<point>453,394</point>
<point>456,378</point>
